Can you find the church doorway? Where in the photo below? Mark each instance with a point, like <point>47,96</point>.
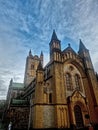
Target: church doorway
<point>78,117</point>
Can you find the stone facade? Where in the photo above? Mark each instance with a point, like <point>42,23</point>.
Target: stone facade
<point>64,93</point>
<point>66,88</point>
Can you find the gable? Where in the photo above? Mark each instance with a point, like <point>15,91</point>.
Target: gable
<point>77,96</point>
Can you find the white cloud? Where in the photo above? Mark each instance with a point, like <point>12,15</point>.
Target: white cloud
<point>28,25</point>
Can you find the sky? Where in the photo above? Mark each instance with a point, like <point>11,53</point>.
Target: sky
<point>28,24</point>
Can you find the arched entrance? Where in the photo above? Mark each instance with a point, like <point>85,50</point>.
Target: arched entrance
<point>78,117</point>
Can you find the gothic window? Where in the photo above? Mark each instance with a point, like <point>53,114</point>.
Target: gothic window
<point>77,81</point>
<point>68,81</point>
<point>78,116</point>
<point>32,67</point>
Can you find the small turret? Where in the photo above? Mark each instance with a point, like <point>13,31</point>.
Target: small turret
<point>30,53</point>
<point>40,66</point>
<point>41,58</point>
<point>39,73</point>
<point>54,36</point>
<point>55,47</point>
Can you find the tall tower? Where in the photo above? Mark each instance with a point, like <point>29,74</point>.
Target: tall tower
<point>84,54</point>
<point>55,48</point>
<point>32,63</point>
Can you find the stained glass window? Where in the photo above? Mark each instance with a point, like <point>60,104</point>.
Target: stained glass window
<point>68,81</point>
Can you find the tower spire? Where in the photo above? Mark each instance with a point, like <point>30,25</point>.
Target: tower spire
<point>30,53</point>
<point>11,81</point>
<point>54,36</point>
<point>40,66</point>
<point>55,46</point>
<point>41,53</point>
<point>41,58</point>
<point>81,46</point>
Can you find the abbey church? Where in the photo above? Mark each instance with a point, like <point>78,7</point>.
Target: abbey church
<point>63,94</point>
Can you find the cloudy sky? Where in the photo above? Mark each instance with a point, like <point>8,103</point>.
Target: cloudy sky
<point>28,24</point>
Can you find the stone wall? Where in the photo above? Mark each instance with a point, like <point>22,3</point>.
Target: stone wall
<point>19,116</point>
<point>48,117</point>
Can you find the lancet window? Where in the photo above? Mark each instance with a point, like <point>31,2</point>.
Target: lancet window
<point>77,81</point>
<point>68,81</point>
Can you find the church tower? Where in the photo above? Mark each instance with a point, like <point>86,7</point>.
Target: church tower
<point>32,63</point>
<point>84,53</point>
<point>55,48</point>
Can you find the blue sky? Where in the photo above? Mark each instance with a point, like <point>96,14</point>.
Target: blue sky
<point>28,24</point>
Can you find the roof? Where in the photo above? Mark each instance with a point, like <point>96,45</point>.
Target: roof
<point>17,85</point>
<point>19,102</point>
<point>69,49</point>
<point>2,103</point>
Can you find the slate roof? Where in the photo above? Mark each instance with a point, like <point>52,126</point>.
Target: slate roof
<point>19,102</point>
<point>68,49</point>
<point>17,85</point>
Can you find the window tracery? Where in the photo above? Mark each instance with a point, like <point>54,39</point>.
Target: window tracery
<point>68,81</point>
<point>77,82</point>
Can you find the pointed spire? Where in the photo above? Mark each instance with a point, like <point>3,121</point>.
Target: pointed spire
<point>54,36</point>
<point>41,58</point>
<point>41,53</point>
<point>81,46</point>
<point>40,66</point>
<point>30,53</point>
<point>11,81</point>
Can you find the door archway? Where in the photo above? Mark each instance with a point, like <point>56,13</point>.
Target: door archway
<point>78,116</point>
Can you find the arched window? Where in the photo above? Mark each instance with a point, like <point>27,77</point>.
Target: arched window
<point>68,81</point>
<point>77,81</point>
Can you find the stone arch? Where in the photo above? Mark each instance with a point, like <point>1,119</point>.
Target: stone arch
<point>78,65</point>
